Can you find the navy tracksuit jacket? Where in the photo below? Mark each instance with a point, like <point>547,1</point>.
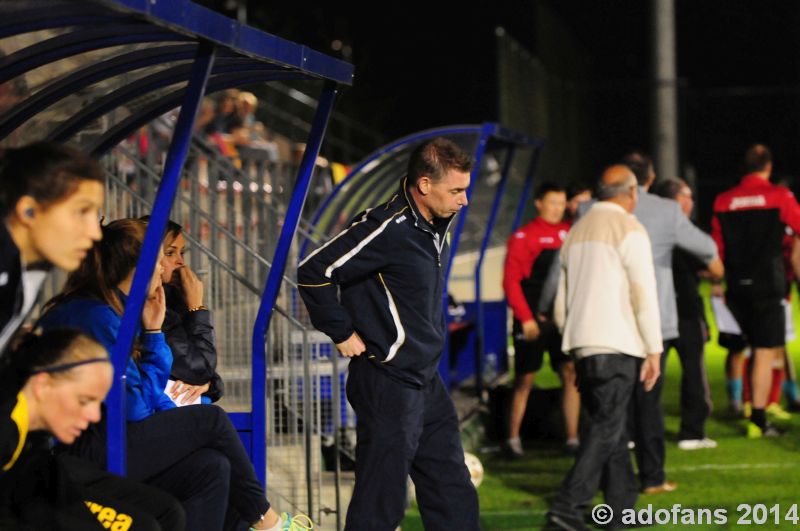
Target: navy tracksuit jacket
<point>383,277</point>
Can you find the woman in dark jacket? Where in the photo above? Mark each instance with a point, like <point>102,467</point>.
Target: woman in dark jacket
<point>188,326</point>
<point>193,452</point>
<point>50,198</point>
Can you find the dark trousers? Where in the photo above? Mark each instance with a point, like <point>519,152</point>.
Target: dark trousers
<point>115,503</point>
<point>150,508</point>
<point>695,394</point>
<point>606,384</point>
<point>646,428</point>
<point>195,454</point>
<point>402,430</point>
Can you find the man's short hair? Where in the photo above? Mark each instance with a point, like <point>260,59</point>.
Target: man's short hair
<point>669,188</point>
<point>610,191</point>
<point>577,187</point>
<point>640,164</point>
<point>756,158</point>
<point>434,158</point>
<point>547,187</point>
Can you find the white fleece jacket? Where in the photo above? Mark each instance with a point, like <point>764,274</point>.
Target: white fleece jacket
<point>607,300</point>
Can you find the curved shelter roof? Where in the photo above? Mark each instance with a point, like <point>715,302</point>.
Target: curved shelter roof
<point>91,72</point>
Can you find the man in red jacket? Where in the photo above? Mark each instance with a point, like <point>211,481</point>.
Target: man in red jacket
<point>531,251</point>
<point>748,226</point>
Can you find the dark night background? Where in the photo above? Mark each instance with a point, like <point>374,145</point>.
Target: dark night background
<point>420,65</point>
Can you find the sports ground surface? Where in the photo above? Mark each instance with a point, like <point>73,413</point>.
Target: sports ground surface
<point>740,472</point>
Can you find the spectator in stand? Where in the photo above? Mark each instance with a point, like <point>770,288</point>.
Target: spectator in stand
<point>749,226</point>
<point>191,452</point>
<point>530,252</point>
<point>692,329</point>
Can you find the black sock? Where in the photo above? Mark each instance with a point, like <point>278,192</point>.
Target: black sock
<point>759,418</point>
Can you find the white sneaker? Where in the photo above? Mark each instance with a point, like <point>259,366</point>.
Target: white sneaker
<point>697,444</point>
<point>514,448</point>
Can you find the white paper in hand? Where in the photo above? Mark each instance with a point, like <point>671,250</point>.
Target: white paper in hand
<point>179,398</point>
<point>726,322</point>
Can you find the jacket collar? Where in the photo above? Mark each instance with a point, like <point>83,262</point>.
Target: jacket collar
<point>752,180</point>
<point>10,250</point>
<point>419,219</point>
<point>12,253</point>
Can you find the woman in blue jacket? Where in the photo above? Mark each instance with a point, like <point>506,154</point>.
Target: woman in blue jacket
<point>50,198</point>
<point>191,452</point>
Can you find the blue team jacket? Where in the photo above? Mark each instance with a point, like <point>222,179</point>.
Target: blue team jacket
<point>146,379</point>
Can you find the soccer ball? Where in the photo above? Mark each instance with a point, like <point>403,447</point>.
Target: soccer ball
<point>475,468</point>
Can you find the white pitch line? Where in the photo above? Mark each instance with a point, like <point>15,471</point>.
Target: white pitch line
<point>732,466</point>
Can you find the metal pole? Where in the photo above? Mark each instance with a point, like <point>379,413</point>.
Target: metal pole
<point>275,277</point>
<point>480,346</point>
<point>131,318</point>
<point>483,141</point>
<point>665,108</point>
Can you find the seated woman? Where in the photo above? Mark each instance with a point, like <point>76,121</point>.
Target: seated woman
<point>53,386</point>
<point>50,198</point>
<point>187,326</point>
<point>191,452</point>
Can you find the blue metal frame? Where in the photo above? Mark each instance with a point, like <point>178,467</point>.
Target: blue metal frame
<point>86,77</point>
<point>225,54</point>
<point>185,16</point>
<point>55,16</point>
<point>480,349</point>
<point>151,247</point>
<point>275,278</point>
<point>483,141</point>
<point>234,67</point>
<point>480,149</point>
<point>70,44</point>
<point>172,100</point>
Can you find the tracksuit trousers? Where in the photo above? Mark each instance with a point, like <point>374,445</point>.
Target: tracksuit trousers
<point>405,431</point>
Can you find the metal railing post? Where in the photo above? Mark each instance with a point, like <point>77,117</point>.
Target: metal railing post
<point>131,318</point>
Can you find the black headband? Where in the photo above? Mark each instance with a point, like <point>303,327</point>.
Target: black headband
<point>67,366</point>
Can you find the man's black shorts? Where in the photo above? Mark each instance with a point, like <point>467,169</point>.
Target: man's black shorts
<point>762,320</point>
<point>732,342</point>
<point>529,355</point>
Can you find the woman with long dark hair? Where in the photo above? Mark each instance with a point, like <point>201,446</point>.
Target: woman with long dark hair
<point>50,199</point>
<point>191,452</point>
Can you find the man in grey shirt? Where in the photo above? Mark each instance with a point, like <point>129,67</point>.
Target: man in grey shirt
<point>668,228</point>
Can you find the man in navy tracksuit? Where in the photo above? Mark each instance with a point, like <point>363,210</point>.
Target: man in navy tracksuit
<point>389,266</point>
